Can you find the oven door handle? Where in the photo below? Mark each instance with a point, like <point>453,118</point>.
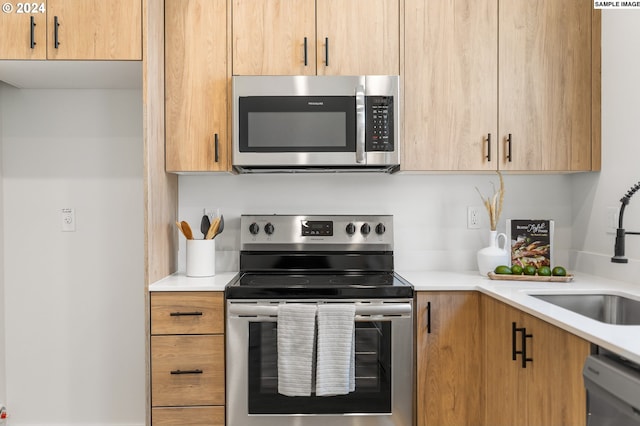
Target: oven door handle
<point>365,309</point>
<point>360,125</point>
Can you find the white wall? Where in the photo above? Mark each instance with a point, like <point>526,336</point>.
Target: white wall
<point>430,211</point>
<point>3,394</point>
<point>73,301</point>
<point>593,193</point>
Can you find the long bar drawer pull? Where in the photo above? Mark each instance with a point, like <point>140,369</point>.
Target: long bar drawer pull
<point>185,314</point>
<point>196,371</point>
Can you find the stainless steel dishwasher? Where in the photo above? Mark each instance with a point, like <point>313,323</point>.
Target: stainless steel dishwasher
<point>613,390</point>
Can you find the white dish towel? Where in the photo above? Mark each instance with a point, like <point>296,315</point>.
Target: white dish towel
<point>296,338</point>
<point>335,367</point>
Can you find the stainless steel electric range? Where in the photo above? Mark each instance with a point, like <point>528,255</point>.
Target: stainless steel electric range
<point>319,260</point>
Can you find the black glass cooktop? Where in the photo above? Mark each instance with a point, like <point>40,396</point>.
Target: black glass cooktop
<point>318,285</point>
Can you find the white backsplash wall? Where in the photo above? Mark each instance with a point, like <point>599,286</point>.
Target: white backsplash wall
<point>430,211</point>
<point>73,301</point>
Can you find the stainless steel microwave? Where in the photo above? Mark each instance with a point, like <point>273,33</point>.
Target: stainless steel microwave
<point>316,123</point>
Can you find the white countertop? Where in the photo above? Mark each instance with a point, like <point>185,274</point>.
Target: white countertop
<point>624,340</point>
<point>180,282</point>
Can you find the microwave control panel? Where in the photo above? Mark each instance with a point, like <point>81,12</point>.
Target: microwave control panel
<point>379,113</point>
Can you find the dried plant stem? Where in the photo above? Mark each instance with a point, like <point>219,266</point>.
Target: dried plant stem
<point>493,204</point>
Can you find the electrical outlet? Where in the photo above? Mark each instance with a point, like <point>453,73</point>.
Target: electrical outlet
<point>68,217</point>
<point>473,217</point>
<point>612,220</point>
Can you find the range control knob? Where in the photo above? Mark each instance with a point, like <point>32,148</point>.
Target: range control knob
<point>351,229</point>
<point>254,228</point>
<point>268,228</point>
<point>380,229</point>
<point>365,229</point>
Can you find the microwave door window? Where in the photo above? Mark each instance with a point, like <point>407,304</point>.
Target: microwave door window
<point>297,124</point>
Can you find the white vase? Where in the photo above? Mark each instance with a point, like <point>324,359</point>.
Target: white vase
<point>493,255</point>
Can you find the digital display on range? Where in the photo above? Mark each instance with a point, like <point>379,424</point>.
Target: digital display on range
<point>317,228</point>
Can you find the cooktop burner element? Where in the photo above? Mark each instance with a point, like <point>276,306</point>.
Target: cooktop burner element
<point>320,256</point>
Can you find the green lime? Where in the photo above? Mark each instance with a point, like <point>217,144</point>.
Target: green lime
<point>516,270</point>
<point>544,271</point>
<point>559,271</point>
<point>503,270</point>
<point>529,270</point>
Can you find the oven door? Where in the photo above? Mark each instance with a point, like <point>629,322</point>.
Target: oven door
<point>383,369</point>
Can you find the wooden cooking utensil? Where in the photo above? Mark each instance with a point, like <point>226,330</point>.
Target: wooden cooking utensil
<point>186,230</point>
<point>213,229</point>
<point>179,226</point>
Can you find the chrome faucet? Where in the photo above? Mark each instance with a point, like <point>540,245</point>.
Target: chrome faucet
<point>618,255</point>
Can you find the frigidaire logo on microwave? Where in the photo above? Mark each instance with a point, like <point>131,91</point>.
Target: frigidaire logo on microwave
<point>315,103</point>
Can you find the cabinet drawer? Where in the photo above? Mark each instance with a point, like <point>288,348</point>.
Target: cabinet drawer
<point>187,313</point>
<point>187,370</point>
<point>188,416</point>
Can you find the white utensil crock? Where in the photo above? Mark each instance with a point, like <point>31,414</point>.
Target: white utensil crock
<point>493,255</point>
<point>201,258</point>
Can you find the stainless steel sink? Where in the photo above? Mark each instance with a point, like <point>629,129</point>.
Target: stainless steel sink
<point>607,308</point>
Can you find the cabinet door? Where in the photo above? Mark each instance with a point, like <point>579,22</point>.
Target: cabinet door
<point>555,388</point>
<point>23,31</point>
<point>550,390</point>
<point>270,37</point>
<point>449,359</point>
<point>505,393</point>
<point>196,86</point>
<point>450,85</point>
<point>545,84</point>
<point>363,37</point>
<point>95,29</point>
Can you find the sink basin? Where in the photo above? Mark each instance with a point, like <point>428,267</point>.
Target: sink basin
<point>607,308</point>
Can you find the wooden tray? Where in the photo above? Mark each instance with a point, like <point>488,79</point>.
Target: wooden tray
<point>538,278</point>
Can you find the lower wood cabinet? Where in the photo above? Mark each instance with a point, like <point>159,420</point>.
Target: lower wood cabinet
<point>188,416</point>
<point>187,358</point>
<point>449,357</point>
<point>543,385</point>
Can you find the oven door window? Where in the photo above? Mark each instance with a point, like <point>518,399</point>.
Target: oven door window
<point>373,375</point>
<point>297,124</point>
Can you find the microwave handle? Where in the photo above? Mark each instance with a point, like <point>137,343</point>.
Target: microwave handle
<point>360,124</point>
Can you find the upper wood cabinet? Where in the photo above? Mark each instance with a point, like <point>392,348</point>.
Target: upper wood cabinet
<point>196,86</point>
<point>544,389</point>
<point>72,30</point>
<point>514,87</point>
<point>309,37</point>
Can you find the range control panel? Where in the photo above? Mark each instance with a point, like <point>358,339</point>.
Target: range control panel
<point>317,232</point>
